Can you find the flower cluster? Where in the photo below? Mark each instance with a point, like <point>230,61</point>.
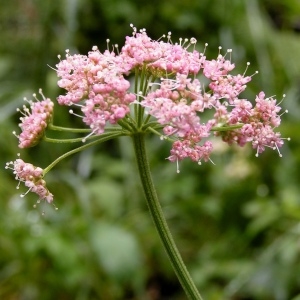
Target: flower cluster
<point>174,97</point>
<point>175,105</point>
<point>33,123</point>
<point>258,123</point>
<point>177,102</point>
<point>95,81</point>
<point>141,50</point>
<point>174,84</point>
<point>32,177</point>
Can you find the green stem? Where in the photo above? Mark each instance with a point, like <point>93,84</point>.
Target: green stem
<point>51,140</point>
<point>67,129</point>
<point>226,128</point>
<point>159,219</point>
<point>102,138</point>
<point>79,130</point>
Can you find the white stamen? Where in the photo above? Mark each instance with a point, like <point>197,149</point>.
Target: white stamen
<point>285,112</point>
<point>177,166</point>
<point>72,113</point>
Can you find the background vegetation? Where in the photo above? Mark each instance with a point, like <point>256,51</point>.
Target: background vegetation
<point>236,222</point>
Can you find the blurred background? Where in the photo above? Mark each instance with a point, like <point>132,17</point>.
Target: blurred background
<point>236,223</point>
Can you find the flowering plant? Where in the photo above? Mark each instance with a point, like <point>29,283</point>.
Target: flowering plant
<point>171,86</point>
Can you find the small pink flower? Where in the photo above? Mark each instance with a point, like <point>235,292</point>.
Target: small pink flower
<point>187,149</point>
<point>33,123</point>
<point>266,109</point>
<point>32,177</point>
<point>229,87</point>
<point>214,69</point>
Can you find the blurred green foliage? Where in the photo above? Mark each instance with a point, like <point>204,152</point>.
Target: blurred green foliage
<point>235,222</point>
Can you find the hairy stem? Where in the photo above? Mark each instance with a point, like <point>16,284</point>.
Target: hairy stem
<point>159,219</point>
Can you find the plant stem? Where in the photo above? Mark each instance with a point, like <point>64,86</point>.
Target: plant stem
<point>101,139</point>
<point>159,219</point>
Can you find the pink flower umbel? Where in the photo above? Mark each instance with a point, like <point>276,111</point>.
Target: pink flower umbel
<point>96,84</point>
<point>33,123</point>
<point>174,85</point>
<point>32,177</point>
<point>176,93</point>
<point>258,124</point>
<point>168,91</point>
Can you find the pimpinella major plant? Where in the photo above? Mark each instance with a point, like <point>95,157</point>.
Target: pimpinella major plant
<point>150,87</point>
